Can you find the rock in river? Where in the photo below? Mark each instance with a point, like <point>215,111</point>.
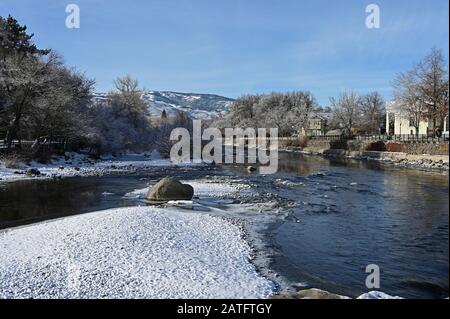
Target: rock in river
<point>309,294</point>
<point>170,189</point>
<point>33,172</point>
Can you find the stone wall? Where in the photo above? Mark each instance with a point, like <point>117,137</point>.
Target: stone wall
<point>418,148</point>
<point>315,146</point>
<point>420,155</point>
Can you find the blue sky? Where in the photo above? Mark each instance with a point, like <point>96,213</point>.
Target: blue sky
<point>235,47</point>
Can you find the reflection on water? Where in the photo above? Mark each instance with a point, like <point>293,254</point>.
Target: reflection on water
<point>357,213</point>
<point>345,215</point>
<point>28,201</point>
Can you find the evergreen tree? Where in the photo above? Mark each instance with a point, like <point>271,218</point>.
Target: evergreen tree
<point>14,39</point>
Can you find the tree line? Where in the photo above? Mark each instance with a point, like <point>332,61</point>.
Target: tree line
<point>358,114</point>
<point>41,98</point>
<point>39,95</point>
<point>420,93</point>
<point>286,111</point>
<point>290,112</point>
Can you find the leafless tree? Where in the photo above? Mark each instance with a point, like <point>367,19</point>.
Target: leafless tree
<point>433,76</point>
<point>162,140</point>
<point>347,112</point>
<point>127,85</point>
<point>123,121</point>
<point>423,91</point>
<point>127,100</point>
<point>373,112</point>
<point>407,94</point>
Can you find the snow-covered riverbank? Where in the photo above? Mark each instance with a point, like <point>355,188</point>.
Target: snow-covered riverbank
<point>74,164</point>
<point>138,252</point>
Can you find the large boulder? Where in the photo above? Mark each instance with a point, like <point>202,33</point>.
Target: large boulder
<point>33,172</point>
<point>170,189</point>
<point>312,293</point>
<point>251,169</point>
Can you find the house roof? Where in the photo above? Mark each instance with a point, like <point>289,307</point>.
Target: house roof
<point>320,116</point>
<point>393,106</point>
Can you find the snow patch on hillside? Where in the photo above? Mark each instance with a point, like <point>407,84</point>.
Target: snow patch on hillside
<point>197,106</point>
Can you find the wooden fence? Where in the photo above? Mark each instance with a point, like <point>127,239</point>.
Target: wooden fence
<point>58,142</point>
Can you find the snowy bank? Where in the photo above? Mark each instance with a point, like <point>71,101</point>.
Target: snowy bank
<point>74,164</point>
<point>203,189</point>
<point>137,252</point>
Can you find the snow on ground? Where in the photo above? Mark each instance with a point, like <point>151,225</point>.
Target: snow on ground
<point>377,295</point>
<point>74,164</point>
<point>136,252</point>
<point>202,188</point>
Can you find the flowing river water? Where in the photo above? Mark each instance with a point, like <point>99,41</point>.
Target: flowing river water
<point>329,218</point>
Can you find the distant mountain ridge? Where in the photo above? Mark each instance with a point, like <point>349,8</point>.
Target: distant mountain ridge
<point>196,105</point>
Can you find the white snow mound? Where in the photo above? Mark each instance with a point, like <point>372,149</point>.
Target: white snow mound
<point>377,295</point>
<point>136,252</point>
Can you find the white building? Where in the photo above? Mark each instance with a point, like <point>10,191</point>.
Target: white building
<point>399,123</point>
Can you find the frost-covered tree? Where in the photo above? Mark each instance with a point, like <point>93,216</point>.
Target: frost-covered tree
<point>127,100</point>
<point>288,112</point>
<point>62,108</point>
<point>23,74</point>
<point>123,121</point>
<point>39,96</point>
<point>162,140</point>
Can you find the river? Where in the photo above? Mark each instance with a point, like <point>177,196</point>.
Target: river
<point>336,218</point>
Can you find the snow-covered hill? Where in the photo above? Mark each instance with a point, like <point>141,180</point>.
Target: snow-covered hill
<point>197,106</point>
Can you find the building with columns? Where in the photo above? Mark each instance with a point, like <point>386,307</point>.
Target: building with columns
<point>399,123</point>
